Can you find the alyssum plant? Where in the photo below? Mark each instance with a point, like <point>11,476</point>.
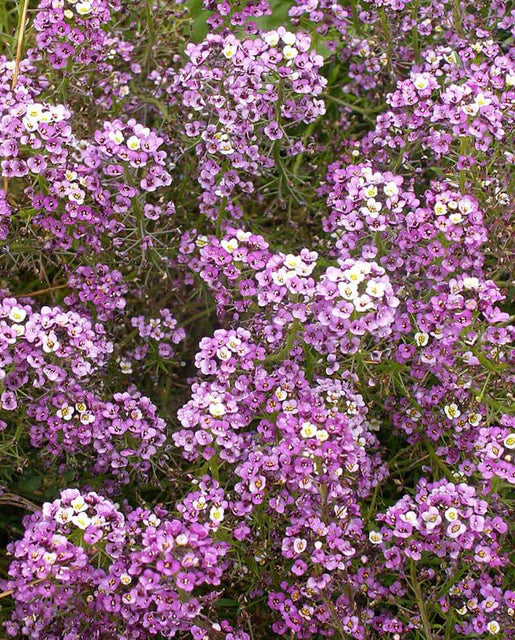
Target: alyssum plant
<point>255,362</point>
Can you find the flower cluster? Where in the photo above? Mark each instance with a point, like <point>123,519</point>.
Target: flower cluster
<point>99,285</point>
<point>73,30</point>
<point>49,344</point>
<point>116,436</point>
<point>136,145</point>
<point>242,97</point>
<point>443,518</point>
<point>256,319</point>
<point>161,332</point>
<point>138,573</point>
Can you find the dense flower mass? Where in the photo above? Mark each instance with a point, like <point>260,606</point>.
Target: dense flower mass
<point>129,573</point>
<point>256,320</point>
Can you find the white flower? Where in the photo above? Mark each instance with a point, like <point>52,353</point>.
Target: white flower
<point>322,435</point>
<point>280,277</point>
<point>374,206</point>
<point>125,366</point>
<point>17,314</point>
<point>420,81</point>
<point>152,520</point>
<point>348,291</point>
<point>474,419</point>
<point>363,303</point>
<point>299,544</point>
<point>201,241</point>
<point>229,245</point>
<point>181,540</point>
<point>374,425</point>
<point>482,100</point>
<point>306,612</point>
<point>19,329</point>
<point>421,339</point>
<point>65,412</point>
<point>199,503</point>
<point>410,516</point>
<point>370,191</point>
<point>229,50</point>
<point>125,579</point>
<point>290,52</point>
<point>34,110</point>
<point>216,408</point>
<point>391,189</point>
<point>116,136</point>
<point>50,343</point>
<point>351,408</point>
<point>86,417</point>
<point>493,627</point>
<point>280,394</point>
<point>451,514</point>
<point>440,209</point>
<point>288,38</point>
<point>509,441</point>
<point>271,38</point>
<point>257,483</point>
<point>134,143</point>
<point>452,411</point>
<point>355,274</point>
<point>233,343</point>
<point>375,289</point>
<point>431,518</point>
<point>224,354</point>
<point>290,407</point>
<point>470,109</point>
<point>216,514</point>
<point>64,515</point>
<point>243,236</point>
<point>375,537</point>
<point>465,205</point>
<point>50,557</point>
<point>340,511</point>
<point>83,8</point>
<point>30,124</point>
<point>308,430</point>
<point>45,116</point>
<point>81,520</point>
<point>292,262</point>
<point>470,282</point>
<point>78,504</point>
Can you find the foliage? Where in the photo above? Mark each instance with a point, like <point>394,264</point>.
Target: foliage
<point>255,319</point>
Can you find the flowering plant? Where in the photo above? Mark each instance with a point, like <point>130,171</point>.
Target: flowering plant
<point>256,320</point>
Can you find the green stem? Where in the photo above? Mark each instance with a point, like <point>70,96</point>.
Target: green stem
<point>388,36</point>
<point>420,601</point>
<point>285,351</point>
<point>457,18</point>
<point>438,462</point>
<point>219,219</point>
